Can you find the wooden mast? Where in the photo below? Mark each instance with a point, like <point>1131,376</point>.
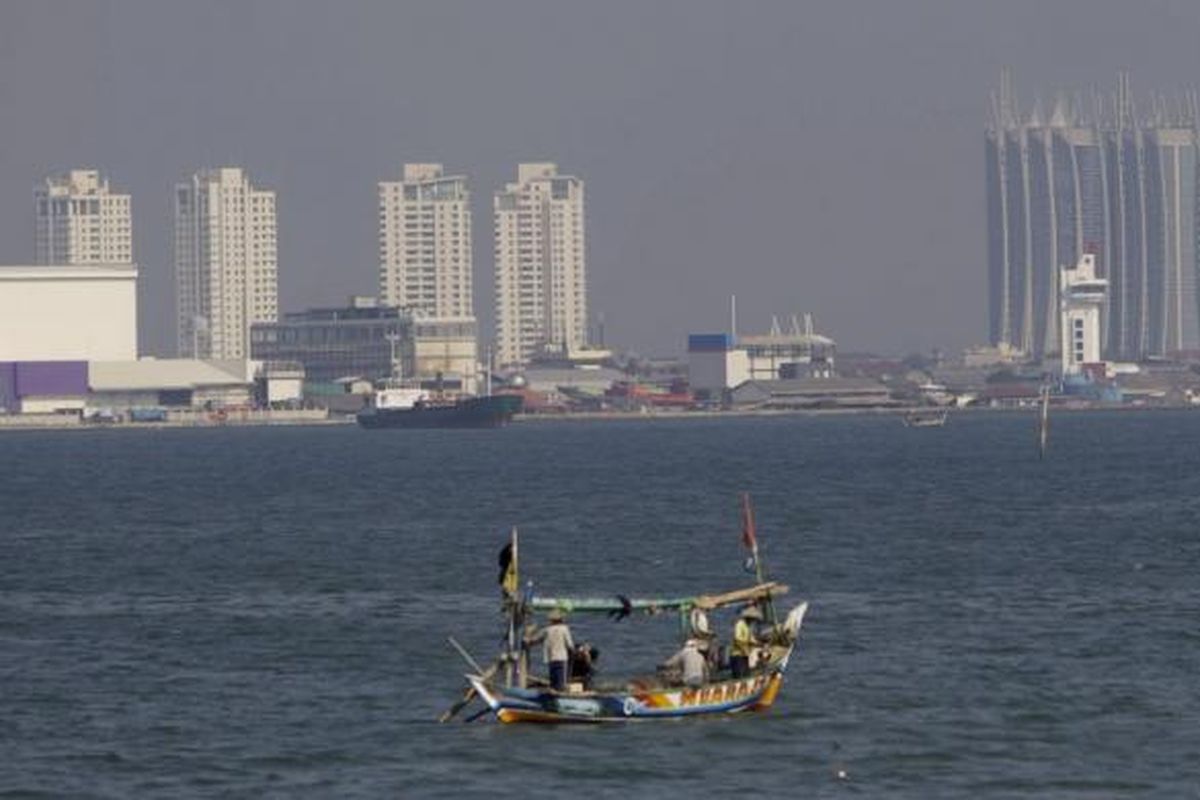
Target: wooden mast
<point>512,599</point>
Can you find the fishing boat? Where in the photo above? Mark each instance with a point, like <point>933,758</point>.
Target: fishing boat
<point>511,693</point>
<point>926,419</point>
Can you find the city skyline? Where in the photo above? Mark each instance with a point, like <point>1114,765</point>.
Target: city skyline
<point>227,272</point>
<point>802,157</point>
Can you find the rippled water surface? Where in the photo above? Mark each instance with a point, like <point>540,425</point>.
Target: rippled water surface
<point>262,612</point>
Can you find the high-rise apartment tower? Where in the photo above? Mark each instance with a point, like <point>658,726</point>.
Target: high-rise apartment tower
<point>541,275</point>
<point>226,263</point>
<point>1094,176</point>
<point>81,221</point>
<point>425,243</point>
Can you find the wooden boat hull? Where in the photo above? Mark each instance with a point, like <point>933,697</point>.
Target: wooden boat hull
<point>754,693</point>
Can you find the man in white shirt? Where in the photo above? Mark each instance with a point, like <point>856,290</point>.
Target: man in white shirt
<point>690,662</point>
<point>556,649</point>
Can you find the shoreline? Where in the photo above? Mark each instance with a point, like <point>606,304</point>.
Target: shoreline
<point>601,416</point>
<point>57,422</point>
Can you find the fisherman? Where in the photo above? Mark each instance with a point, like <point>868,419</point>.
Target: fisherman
<point>556,648</point>
<point>744,641</point>
<point>711,649</point>
<point>690,662</point>
<point>583,661</point>
<point>706,640</point>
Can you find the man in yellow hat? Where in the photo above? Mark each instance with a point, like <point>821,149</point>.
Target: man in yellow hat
<point>744,641</point>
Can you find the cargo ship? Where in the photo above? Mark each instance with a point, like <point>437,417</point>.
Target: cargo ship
<point>409,407</point>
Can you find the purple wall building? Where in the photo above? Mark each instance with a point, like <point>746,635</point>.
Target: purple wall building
<point>22,379</point>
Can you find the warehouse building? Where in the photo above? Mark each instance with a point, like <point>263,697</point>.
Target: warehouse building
<point>68,313</point>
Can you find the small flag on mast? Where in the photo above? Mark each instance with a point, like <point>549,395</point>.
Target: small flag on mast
<point>748,538</point>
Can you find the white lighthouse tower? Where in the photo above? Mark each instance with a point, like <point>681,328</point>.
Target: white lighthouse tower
<point>1081,296</point>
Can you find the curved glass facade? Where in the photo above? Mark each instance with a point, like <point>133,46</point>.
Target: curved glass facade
<point>1123,190</point>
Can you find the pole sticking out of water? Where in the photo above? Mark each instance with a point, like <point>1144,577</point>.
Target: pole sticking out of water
<point>489,370</point>
<point>1044,422</point>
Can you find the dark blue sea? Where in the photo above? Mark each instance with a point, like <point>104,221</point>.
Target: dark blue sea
<point>262,612</point>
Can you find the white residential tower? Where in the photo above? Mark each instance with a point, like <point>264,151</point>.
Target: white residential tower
<point>425,243</point>
<point>541,276</point>
<point>81,221</point>
<point>226,263</point>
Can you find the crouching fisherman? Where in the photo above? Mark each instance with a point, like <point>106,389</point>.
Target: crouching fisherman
<point>583,664</point>
<point>689,663</point>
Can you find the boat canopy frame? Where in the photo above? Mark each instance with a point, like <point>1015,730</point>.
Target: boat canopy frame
<point>612,604</point>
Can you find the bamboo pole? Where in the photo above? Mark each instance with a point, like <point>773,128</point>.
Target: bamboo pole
<point>468,695</point>
<point>462,651</point>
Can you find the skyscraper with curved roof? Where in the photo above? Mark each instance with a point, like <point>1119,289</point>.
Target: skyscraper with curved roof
<point>1094,176</point>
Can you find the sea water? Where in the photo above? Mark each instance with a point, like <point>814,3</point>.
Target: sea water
<point>262,612</point>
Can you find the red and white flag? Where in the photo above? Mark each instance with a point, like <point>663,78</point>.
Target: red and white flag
<point>748,525</point>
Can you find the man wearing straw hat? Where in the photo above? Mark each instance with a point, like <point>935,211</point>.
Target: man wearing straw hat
<point>557,645</point>
<point>744,641</point>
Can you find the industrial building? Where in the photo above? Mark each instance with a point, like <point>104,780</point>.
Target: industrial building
<point>176,382</point>
<point>446,353</point>
<point>715,365</point>
<point>364,339</point>
<point>55,387</point>
<point>63,313</point>
<point>793,353</point>
<point>718,362</point>
<point>358,340</point>
<point>811,393</point>
<point>43,387</point>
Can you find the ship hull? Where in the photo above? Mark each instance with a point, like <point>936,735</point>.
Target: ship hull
<point>474,412</point>
<point>754,693</point>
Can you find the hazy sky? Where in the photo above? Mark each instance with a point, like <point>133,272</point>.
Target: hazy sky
<point>825,157</point>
